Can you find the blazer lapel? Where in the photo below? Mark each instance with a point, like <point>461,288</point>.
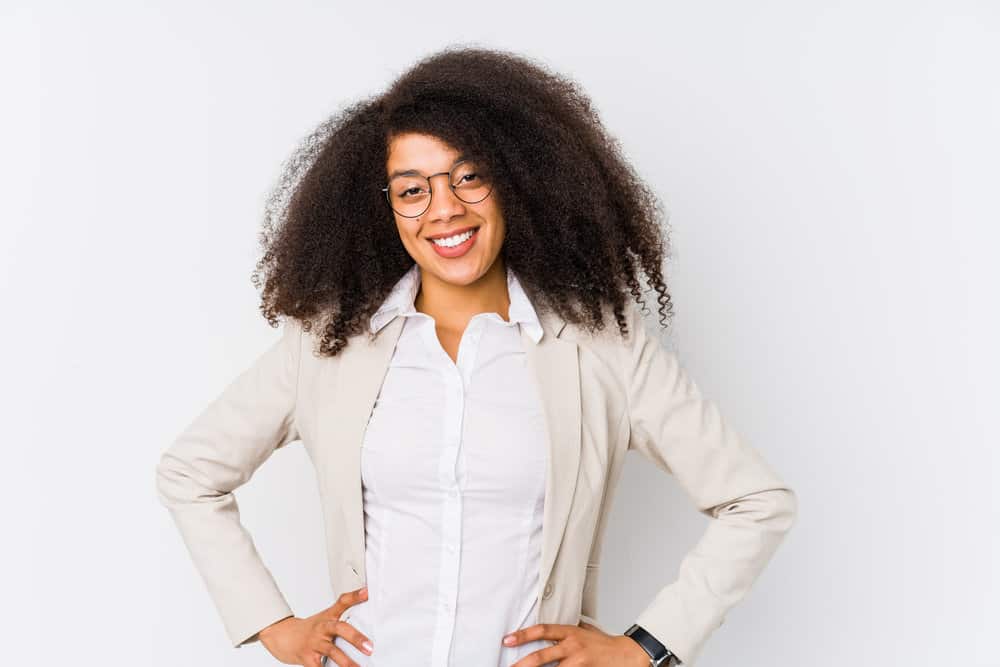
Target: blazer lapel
<point>342,423</point>
<point>555,365</point>
<point>344,419</point>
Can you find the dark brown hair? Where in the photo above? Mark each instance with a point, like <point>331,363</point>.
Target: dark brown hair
<point>580,224</point>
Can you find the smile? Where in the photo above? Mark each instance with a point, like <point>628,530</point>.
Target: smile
<point>457,239</point>
<point>455,246</point>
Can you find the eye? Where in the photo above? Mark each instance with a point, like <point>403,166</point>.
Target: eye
<point>413,190</point>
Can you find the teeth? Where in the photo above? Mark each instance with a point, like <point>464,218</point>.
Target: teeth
<point>452,241</point>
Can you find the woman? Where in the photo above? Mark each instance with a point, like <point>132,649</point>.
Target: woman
<point>482,230</point>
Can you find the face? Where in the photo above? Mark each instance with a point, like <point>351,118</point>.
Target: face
<point>446,214</point>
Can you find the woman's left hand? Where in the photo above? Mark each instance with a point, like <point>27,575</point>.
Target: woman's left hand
<point>578,646</point>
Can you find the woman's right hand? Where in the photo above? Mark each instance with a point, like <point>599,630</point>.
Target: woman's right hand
<point>304,641</point>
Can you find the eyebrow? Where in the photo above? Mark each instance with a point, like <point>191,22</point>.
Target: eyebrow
<point>414,172</point>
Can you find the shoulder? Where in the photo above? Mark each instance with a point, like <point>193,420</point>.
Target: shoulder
<point>610,340</point>
<point>606,355</point>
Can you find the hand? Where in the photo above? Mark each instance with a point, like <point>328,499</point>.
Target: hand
<point>579,646</point>
<point>304,641</point>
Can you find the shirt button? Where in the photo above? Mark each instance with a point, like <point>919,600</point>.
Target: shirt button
<point>548,591</point>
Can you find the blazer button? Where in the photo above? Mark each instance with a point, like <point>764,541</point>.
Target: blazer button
<point>548,591</point>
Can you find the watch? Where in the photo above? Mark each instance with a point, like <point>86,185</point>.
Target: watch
<point>659,655</point>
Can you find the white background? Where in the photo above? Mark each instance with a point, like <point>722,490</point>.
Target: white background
<point>831,175</point>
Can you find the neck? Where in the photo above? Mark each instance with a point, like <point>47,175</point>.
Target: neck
<point>452,306</point>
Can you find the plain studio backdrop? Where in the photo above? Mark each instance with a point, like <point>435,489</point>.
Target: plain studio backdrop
<point>831,176</point>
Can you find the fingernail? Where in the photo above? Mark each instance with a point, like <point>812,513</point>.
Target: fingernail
<point>508,640</point>
<point>368,646</point>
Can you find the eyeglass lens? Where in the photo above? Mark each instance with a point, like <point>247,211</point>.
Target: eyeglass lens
<point>410,195</point>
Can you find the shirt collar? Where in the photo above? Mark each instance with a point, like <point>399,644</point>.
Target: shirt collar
<point>404,293</point>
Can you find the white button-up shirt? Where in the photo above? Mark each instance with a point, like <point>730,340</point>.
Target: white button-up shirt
<point>454,463</point>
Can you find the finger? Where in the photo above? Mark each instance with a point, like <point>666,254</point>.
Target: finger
<point>331,629</point>
<point>553,631</point>
<point>544,656</point>
<point>347,599</point>
<point>337,657</point>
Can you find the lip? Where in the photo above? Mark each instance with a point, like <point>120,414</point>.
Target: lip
<point>457,251</point>
<point>451,233</point>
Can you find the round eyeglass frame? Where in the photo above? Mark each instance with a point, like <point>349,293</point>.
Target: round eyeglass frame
<point>430,191</point>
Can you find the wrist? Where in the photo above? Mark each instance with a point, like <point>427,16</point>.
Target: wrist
<point>263,632</point>
<point>635,656</point>
<point>657,654</point>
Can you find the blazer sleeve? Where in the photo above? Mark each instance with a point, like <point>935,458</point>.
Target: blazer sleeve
<point>215,454</point>
<point>751,508</point>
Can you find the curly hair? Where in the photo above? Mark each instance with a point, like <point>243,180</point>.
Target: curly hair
<point>579,222</point>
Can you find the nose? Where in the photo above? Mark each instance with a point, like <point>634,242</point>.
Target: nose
<point>444,205</point>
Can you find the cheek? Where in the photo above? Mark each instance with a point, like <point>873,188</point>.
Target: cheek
<point>498,234</point>
<point>496,226</point>
<point>406,235</point>
<point>497,239</point>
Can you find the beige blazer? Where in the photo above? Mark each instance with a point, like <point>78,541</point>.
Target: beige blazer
<point>603,396</point>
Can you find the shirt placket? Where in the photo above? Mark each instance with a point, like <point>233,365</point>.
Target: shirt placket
<point>456,379</point>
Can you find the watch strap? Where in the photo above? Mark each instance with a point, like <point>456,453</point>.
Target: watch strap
<point>659,655</point>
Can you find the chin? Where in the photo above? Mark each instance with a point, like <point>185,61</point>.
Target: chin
<point>460,275</point>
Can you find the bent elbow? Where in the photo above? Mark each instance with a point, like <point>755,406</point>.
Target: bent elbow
<point>776,509</point>
<point>169,484</point>
<point>179,484</point>
<point>786,511</point>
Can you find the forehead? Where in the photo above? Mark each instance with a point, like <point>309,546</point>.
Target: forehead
<point>421,152</point>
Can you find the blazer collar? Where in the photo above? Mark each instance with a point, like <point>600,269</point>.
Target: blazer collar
<point>404,293</point>
<point>357,377</point>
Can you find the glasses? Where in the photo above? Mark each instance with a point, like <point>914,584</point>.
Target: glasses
<point>409,195</point>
